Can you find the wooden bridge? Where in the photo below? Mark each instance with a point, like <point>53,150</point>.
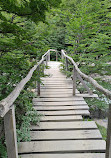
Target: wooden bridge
<point>62,132</point>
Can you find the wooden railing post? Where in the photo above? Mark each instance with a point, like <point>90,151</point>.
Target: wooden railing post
<point>43,67</point>
<point>49,56</point>
<point>46,59</point>
<point>108,142</point>
<point>10,133</point>
<point>66,64</point>
<point>74,80</point>
<point>38,82</point>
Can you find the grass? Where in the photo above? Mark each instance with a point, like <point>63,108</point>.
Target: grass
<point>103,131</point>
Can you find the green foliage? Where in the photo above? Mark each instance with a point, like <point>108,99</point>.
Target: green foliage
<point>88,29</point>
<point>32,117</point>
<point>103,131</point>
<point>3,153</point>
<point>31,9</point>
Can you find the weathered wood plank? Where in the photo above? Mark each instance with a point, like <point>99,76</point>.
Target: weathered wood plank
<point>49,79</point>
<point>65,125</point>
<point>65,83</point>
<point>61,118</point>
<point>45,108</point>
<point>70,146</point>
<point>58,90</point>
<point>74,80</point>
<point>84,84</point>
<point>56,93</point>
<point>78,155</point>
<point>10,134</point>
<point>38,83</point>
<point>56,81</point>
<point>55,87</point>
<point>61,103</point>
<point>87,95</point>
<point>65,135</point>
<point>64,113</point>
<point>58,99</point>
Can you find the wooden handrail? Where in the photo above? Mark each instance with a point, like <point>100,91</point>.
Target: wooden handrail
<point>53,50</point>
<point>6,103</point>
<point>87,78</point>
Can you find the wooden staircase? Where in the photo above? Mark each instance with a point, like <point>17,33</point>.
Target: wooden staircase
<point>62,133</point>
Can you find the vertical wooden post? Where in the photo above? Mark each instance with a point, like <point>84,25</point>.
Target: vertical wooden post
<point>43,67</point>
<point>74,80</point>
<point>49,56</point>
<point>108,142</point>
<point>56,56</point>
<point>46,59</point>
<point>38,83</point>
<point>10,133</point>
<point>66,64</point>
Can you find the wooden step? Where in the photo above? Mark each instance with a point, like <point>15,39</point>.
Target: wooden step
<point>60,103</point>
<point>74,155</point>
<point>58,90</point>
<point>58,99</point>
<point>58,79</point>
<point>64,113</point>
<point>77,125</point>
<point>65,135</point>
<point>56,108</point>
<point>50,93</point>
<point>56,82</point>
<point>56,95</point>
<point>61,118</point>
<point>66,146</point>
<point>56,87</point>
<point>87,95</point>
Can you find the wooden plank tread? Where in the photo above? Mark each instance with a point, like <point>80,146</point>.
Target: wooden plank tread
<point>45,108</point>
<point>65,135</point>
<point>65,125</point>
<point>62,118</point>
<point>58,99</point>
<point>60,103</point>
<point>78,155</point>
<point>66,146</point>
<point>64,113</point>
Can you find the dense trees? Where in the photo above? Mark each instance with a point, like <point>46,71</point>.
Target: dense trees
<point>89,30</point>
<point>28,28</point>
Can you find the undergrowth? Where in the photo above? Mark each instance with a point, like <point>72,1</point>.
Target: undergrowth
<point>103,131</point>
<point>24,113</point>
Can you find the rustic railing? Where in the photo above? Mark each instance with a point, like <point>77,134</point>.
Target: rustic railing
<point>7,108</point>
<point>80,75</point>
